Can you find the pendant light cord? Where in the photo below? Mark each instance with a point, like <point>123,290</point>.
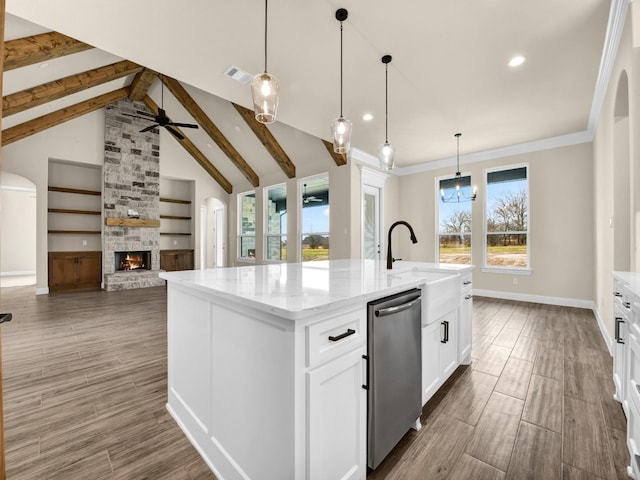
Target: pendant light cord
<point>340,69</point>
<point>386,102</point>
<point>265,35</point>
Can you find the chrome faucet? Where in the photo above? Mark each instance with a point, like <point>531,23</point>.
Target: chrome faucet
<point>390,258</point>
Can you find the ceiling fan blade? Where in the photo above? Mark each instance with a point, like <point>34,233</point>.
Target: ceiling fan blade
<point>184,125</point>
<point>174,132</point>
<point>140,112</point>
<point>149,128</point>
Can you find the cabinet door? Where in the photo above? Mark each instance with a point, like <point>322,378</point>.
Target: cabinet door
<point>431,372</point>
<point>337,413</point>
<point>168,262</point>
<point>449,343</point>
<point>465,330</point>
<point>184,261</point>
<point>62,272</point>
<point>619,353</point>
<point>89,271</point>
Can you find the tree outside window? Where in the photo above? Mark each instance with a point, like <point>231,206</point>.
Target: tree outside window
<point>454,225</point>
<point>276,223</point>
<point>507,218</point>
<point>247,225</point>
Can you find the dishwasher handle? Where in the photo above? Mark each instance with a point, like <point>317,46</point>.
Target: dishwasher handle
<point>398,308</point>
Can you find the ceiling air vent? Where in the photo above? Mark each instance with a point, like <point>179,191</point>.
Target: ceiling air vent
<point>238,75</point>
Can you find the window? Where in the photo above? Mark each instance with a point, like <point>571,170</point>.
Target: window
<point>454,220</point>
<point>247,227</point>
<point>315,218</point>
<point>507,218</point>
<point>276,222</point>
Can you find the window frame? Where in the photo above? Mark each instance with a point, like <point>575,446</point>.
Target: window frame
<point>509,270</point>
<point>240,235</point>
<point>266,235</point>
<point>437,215</point>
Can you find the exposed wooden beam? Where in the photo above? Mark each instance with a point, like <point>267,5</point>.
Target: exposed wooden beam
<point>339,158</point>
<point>141,83</point>
<point>212,130</point>
<point>38,48</point>
<point>193,151</point>
<point>47,92</point>
<point>52,119</point>
<point>268,140</point>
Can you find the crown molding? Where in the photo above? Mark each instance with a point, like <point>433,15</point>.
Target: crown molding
<point>518,149</point>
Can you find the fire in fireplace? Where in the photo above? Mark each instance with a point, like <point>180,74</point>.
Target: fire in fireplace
<point>126,261</point>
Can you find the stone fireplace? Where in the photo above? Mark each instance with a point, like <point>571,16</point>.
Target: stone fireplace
<point>131,197</point>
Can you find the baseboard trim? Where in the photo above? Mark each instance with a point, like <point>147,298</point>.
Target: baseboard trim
<point>17,274</point>
<point>560,301</point>
<point>42,291</point>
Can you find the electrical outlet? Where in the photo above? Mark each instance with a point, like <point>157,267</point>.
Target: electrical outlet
<point>515,280</point>
<point>175,242</point>
<point>84,243</point>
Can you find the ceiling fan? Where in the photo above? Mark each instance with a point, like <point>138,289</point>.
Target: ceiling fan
<point>310,198</point>
<point>161,119</point>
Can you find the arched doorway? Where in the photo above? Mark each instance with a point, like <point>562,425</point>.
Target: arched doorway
<point>17,230</point>
<point>212,217</point>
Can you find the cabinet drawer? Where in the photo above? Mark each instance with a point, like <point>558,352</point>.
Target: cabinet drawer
<point>331,338</point>
<point>633,438</point>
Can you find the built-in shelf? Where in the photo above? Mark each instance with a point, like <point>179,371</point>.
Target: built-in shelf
<point>73,190</point>
<point>131,222</point>
<point>75,212</point>
<point>75,232</point>
<point>175,217</point>
<point>174,233</point>
<point>175,200</point>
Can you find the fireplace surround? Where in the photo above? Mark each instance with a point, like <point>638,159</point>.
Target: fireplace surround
<point>130,261</point>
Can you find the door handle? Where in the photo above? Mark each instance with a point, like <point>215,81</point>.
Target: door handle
<point>5,317</point>
<point>366,360</point>
<point>446,331</point>
<point>619,320</point>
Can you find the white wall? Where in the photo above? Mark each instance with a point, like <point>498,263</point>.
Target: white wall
<point>17,225</point>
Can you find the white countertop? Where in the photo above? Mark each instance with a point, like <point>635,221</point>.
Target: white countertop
<point>297,290</point>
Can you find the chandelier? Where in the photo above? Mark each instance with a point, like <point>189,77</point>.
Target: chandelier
<point>457,183</point>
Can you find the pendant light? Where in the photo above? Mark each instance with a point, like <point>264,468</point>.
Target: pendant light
<point>265,88</point>
<point>341,127</point>
<point>386,150</point>
<point>458,195</point>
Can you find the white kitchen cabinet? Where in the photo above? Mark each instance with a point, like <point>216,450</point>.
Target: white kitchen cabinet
<point>337,411</point>
<point>622,306</point>
<point>465,311</point>
<point>439,352</point>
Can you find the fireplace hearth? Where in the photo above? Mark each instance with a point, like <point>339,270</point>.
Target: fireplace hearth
<point>130,261</point>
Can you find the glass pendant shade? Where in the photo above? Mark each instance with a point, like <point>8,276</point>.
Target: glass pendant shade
<point>385,155</point>
<point>265,90</point>
<point>341,132</point>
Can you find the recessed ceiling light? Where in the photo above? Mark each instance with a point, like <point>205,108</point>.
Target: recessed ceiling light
<point>517,60</point>
<point>367,117</point>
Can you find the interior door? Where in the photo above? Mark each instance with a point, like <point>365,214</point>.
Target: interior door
<point>371,224</point>
<point>218,244</point>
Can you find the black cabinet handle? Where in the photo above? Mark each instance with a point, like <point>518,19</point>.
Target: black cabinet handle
<point>468,282</point>
<point>468,297</point>
<point>619,320</point>
<point>627,304</point>
<point>366,359</point>
<point>349,331</point>
<point>446,331</point>
<point>617,294</point>
<point>5,317</point>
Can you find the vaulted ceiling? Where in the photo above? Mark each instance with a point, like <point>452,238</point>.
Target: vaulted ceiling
<point>449,71</point>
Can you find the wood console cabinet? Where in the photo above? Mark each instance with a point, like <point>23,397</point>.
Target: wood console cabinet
<point>74,271</point>
<point>174,260</point>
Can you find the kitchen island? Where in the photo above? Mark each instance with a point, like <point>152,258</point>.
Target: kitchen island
<point>266,364</point>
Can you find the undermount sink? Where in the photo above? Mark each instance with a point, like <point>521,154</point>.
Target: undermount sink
<point>440,295</point>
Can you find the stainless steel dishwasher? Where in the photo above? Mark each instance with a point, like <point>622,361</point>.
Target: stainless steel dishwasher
<point>395,371</point>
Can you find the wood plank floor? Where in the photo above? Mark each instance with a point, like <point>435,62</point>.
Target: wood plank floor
<point>85,392</point>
